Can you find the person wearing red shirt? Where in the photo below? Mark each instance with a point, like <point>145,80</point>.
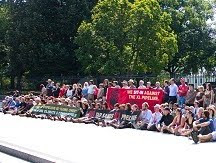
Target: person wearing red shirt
<point>63,90</point>
<point>182,92</point>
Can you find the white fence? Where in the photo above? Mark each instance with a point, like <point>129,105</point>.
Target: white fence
<point>199,79</point>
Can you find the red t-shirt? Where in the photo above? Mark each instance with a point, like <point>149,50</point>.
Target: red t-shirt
<point>183,89</point>
<point>62,92</point>
<point>116,115</point>
<point>96,91</point>
<point>91,113</point>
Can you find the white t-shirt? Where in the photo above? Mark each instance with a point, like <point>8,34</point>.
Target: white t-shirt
<point>173,90</point>
<point>69,93</point>
<point>91,89</point>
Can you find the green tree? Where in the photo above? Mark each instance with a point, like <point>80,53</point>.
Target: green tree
<point>41,37</point>
<point>4,24</point>
<point>194,36</point>
<point>125,37</point>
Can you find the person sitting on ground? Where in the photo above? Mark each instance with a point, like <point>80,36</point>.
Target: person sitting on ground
<point>165,121</point>
<point>117,114</point>
<point>144,117</point>
<point>29,105</point>
<point>174,109</point>
<point>203,126</point>
<point>89,117</point>
<point>155,119</point>
<point>211,137</point>
<point>124,108</point>
<point>10,105</point>
<point>177,123</point>
<point>198,115</point>
<point>188,124</point>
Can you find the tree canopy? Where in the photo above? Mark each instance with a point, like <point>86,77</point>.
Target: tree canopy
<point>125,37</point>
<point>106,37</point>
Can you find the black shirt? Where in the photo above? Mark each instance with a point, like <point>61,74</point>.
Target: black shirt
<point>167,119</point>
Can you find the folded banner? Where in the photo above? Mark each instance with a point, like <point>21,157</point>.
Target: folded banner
<point>56,110</point>
<point>134,96</point>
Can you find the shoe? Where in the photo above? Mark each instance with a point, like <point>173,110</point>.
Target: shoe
<point>194,135</point>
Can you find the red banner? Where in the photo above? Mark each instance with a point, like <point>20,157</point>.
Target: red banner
<point>134,96</point>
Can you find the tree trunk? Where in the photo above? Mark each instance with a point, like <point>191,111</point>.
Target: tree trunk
<point>12,82</point>
<point>19,79</point>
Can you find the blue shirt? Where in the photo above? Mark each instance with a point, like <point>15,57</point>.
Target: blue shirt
<point>215,123</point>
<point>202,120</point>
<point>146,115</point>
<point>211,125</point>
<point>85,91</point>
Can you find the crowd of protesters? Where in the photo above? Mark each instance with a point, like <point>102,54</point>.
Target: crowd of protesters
<point>185,111</point>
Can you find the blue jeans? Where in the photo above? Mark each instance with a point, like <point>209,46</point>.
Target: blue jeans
<point>181,101</point>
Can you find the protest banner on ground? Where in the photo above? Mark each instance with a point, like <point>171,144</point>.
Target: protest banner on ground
<point>56,110</point>
<point>124,115</point>
<point>134,96</point>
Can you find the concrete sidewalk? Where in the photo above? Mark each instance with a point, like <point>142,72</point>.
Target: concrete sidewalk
<point>81,143</point>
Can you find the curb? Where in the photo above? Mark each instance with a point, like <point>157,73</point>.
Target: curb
<point>28,154</point>
<point>22,155</point>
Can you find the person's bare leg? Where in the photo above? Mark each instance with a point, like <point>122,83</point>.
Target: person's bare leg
<point>205,138</point>
<point>171,130</point>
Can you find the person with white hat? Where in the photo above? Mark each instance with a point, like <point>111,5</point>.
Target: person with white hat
<point>141,85</point>
<point>125,84</point>
<point>131,84</point>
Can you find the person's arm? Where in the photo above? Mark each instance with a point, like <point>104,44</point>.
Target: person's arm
<point>148,117</point>
<point>201,100</point>
<point>195,123</point>
<point>182,122</point>
<point>177,89</point>
<point>161,120</point>
<point>185,125</point>
<point>212,97</point>
<point>204,124</point>
<point>150,122</point>
<point>173,122</point>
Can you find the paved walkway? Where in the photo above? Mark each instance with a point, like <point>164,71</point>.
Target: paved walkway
<point>80,143</point>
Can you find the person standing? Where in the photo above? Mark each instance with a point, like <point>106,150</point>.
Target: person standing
<point>182,92</point>
<point>91,90</point>
<point>85,90</point>
<point>141,85</point>
<point>200,95</point>
<point>43,90</point>
<point>100,91</point>
<point>56,90</point>
<point>208,96</point>
<point>157,86</point>
<point>173,89</point>
<point>166,91</point>
<point>190,97</point>
<point>125,84</point>
<point>131,84</point>
<point>49,87</point>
